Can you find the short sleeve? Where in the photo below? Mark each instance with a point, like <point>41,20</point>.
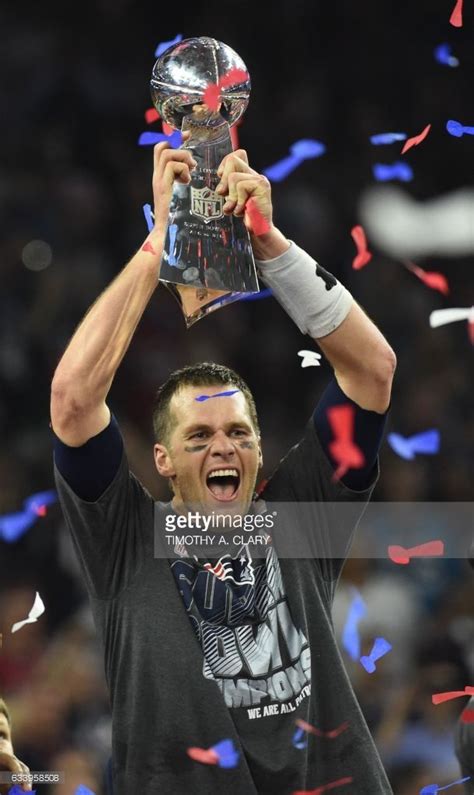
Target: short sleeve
<point>112,534</point>
<point>317,515</point>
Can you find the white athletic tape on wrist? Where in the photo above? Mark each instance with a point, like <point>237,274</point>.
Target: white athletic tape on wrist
<point>314,299</point>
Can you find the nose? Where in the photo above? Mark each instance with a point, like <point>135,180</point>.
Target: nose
<point>222,446</point>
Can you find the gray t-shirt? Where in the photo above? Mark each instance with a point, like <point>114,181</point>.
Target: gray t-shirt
<point>169,689</point>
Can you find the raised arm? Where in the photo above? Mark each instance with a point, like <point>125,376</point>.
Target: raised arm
<point>363,361</point>
<point>86,370</point>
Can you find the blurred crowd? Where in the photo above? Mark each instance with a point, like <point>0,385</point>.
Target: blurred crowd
<point>72,185</point>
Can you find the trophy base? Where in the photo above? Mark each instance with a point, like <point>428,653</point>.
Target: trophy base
<point>197,302</point>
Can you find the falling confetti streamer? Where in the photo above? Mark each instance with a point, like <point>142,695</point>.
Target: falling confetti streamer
<point>444,56</point>
<point>456,16</point>
<point>427,442</point>
<point>387,138</point>
<point>457,129</point>
<point>149,217</point>
<point>310,358</point>
<point>440,698</point>
<point>14,525</point>
<point>230,392</point>
<point>151,115</point>
<point>307,727</point>
<point>204,755</point>
<point>151,138</point>
<point>363,255</point>
<point>439,317</point>
<point>36,611</point>
<point>299,739</point>
<point>164,45</point>
<point>432,279</point>
<point>256,296</point>
<point>350,633</point>
<point>467,716</point>
<point>386,172</point>
<point>403,556</point>
<point>302,150</point>
<point>432,789</point>
<point>380,648</point>
<point>343,448</point>
<point>417,139</point>
<point>325,787</point>
<point>258,223</point>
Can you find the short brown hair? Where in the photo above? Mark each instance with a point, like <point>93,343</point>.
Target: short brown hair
<point>202,374</point>
<point>4,710</point>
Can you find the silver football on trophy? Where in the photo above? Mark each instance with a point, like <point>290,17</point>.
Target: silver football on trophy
<point>183,72</point>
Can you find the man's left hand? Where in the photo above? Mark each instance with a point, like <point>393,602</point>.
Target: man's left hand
<point>239,183</point>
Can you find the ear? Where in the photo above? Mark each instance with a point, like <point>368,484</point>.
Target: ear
<point>163,461</point>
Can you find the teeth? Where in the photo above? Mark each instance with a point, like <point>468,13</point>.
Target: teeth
<point>224,473</point>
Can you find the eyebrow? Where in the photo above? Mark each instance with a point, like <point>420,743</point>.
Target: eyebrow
<point>200,426</point>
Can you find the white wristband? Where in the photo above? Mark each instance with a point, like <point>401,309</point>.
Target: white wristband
<point>314,299</point>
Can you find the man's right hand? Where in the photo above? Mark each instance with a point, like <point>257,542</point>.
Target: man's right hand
<point>169,165</point>
<point>10,764</point>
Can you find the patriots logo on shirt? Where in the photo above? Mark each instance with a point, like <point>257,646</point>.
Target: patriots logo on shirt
<point>228,568</point>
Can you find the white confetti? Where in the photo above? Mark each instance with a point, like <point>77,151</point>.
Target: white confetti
<point>310,358</point>
<point>442,316</point>
<point>36,611</point>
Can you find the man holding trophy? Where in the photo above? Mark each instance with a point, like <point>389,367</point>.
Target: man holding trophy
<point>265,654</point>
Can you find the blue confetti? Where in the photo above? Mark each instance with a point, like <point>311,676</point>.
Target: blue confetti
<point>228,756</point>
<point>17,790</point>
<point>164,45</point>
<point>457,129</point>
<point>256,296</point>
<point>305,149</point>
<point>151,138</point>
<point>202,398</point>
<point>398,170</point>
<point>387,138</point>
<point>350,633</point>
<point>432,789</point>
<point>173,230</point>
<point>148,216</point>
<point>298,740</point>
<point>379,649</point>
<point>443,55</point>
<point>427,442</point>
<point>14,525</point>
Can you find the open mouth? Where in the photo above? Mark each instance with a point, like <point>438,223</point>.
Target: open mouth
<point>223,484</point>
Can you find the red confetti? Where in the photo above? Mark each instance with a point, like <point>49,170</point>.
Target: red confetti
<point>233,77</point>
<point>167,129</point>
<point>440,698</point>
<point>417,139</point>
<point>212,97</point>
<point>204,755</point>
<point>467,716</point>
<point>432,279</point>
<point>148,247</point>
<point>342,448</point>
<point>313,730</point>
<point>258,223</point>
<point>363,254</point>
<point>401,555</point>
<point>456,17</point>
<point>151,115</point>
<point>40,510</point>
<point>325,787</point>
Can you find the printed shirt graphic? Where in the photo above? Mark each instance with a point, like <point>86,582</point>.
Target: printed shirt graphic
<point>251,646</point>
<point>191,659</point>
